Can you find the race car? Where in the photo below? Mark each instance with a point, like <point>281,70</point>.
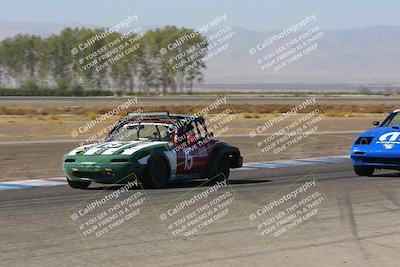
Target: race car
<point>154,148</point>
<point>378,148</point>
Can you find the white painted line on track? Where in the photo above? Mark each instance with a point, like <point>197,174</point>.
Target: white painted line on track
<point>24,184</point>
<point>292,163</point>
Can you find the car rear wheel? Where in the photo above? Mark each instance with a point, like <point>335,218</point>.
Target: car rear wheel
<point>221,169</point>
<point>78,184</point>
<point>364,170</point>
<point>157,172</point>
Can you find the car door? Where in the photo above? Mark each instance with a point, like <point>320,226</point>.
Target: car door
<point>198,150</point>
<point>191,155</point>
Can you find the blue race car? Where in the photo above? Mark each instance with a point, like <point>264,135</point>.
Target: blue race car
<point>378,148</point>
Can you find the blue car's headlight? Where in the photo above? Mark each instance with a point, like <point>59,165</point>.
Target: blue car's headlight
<point>364,140</point>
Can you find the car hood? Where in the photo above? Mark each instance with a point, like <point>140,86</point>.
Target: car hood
<point>375,132</point>
<point>124,148</point>
<point>384,138</point>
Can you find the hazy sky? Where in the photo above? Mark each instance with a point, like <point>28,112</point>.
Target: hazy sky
<point>250,14</point>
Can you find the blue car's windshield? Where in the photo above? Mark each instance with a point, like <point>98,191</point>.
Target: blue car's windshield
<point>392,119</point>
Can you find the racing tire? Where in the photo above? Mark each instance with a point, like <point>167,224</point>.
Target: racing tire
<point>364,170</point>
<point>221,169</point>
<point>156,174</point>
<point>78,184</point>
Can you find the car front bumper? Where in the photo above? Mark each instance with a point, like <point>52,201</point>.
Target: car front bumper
<point>376,159</point>
<point>110,173</point>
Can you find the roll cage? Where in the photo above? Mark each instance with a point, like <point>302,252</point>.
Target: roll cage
<point>179,123</point>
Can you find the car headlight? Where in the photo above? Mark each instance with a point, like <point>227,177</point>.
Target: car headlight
<point>364,141</point>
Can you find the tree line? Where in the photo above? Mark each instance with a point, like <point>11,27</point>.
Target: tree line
<point>34,63</point>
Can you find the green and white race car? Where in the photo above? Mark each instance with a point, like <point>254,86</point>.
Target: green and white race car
<point>154,148</point>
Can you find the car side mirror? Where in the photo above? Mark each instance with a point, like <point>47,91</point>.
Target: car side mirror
<point>375,123</point>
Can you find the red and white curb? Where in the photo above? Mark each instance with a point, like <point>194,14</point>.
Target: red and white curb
<point>47,182</point>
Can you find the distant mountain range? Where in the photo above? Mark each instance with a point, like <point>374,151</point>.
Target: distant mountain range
<point>9,29</point>
<point>367,55</point>
<point>359,56</point>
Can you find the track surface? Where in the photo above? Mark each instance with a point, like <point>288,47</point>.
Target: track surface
<point>361,227</point>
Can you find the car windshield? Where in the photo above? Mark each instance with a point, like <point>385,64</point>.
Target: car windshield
<point>142,132</point>
<point>392,119</point>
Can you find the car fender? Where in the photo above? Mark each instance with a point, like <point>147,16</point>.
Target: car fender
<point>217,152</point>
<point>168,158</point>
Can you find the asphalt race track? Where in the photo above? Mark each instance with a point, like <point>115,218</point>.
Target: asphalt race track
<point>190,100</point>
<point>356,225</point>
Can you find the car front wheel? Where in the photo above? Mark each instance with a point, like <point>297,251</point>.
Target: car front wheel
<point>78,184</point>
<point>364,170</point>
<point>157,173</point>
